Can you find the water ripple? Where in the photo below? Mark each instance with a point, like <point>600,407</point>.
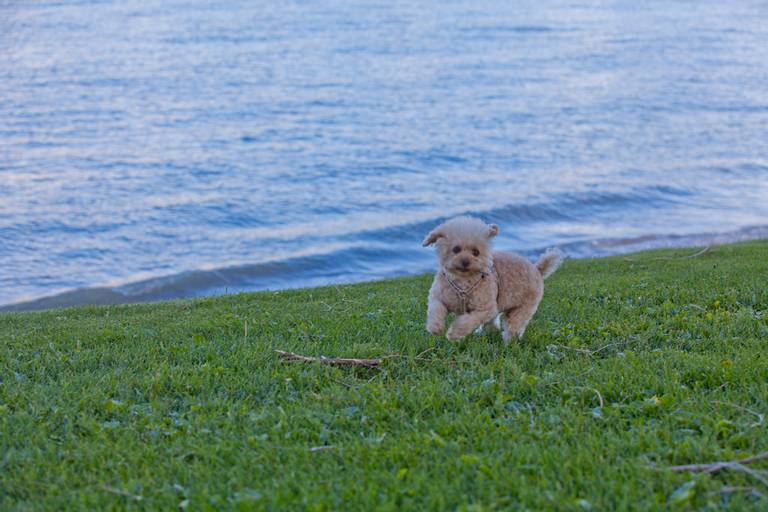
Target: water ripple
<point>153,150</point>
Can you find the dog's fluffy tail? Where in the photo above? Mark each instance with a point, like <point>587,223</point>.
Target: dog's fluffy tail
<point>549,262</point>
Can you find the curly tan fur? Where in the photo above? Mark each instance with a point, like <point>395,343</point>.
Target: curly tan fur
<point>478,285</point>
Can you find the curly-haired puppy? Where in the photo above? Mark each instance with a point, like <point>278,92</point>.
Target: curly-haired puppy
<point>477,285</point>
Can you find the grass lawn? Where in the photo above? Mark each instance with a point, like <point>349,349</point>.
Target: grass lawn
<point>633,364</point>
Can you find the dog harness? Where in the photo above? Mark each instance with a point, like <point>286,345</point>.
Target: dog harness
<point>463,293</point>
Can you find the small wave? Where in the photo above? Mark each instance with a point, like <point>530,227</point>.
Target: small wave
<point>353,264</point>
<point>556,208</point>
<point>516,29</point>
<point>389,250</point>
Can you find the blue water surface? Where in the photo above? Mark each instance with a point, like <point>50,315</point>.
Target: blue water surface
<point>158,149</point>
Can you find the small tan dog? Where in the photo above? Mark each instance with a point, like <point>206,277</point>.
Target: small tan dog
<point>477,285</point>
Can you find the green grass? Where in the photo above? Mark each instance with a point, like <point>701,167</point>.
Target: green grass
<point>632,364</point>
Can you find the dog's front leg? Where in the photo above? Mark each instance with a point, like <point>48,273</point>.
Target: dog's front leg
<point>468,322</point>
<point>436,312</point>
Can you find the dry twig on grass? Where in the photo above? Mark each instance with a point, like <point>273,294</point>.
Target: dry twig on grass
<point>121,492</point>
<point>661,258</point>
<point>321,448</point>
<point>337,361</point>
<point>421,354</point>
<point>714,467</point>
<point>570,378</point>
<point>596,392</point>
<point>592,352</point>
<point>347,361</point>
<point>736,465</point>
<point>752,491</point>
<point>760,417</point>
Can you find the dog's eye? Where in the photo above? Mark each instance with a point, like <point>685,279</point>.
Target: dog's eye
<point>456,250</point>
<point>475,252</point>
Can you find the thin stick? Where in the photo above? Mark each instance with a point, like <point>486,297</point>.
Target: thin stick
<point>321,448</point>
<point>751,472</point>
<point>592,352</point>
<point>760,417</point>
<point>579,350</point>
<point>338,361</point>
<point>623,342</point>
<point>714,467</point>
<point>573,377</point>
<point>121,492</point>
<point>599,396</point>
<point>694,255</point>
<point>530,410</point>
<point>418,356</point>
<point>751,490</point>
<point>342,383</point>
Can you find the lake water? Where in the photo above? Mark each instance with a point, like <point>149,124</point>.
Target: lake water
<point>156,149</point>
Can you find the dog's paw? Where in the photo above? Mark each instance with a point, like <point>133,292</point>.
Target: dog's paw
<point>508,336</point>
<point>434,329</point>
<point>454,335</point>
<point>489,327</point>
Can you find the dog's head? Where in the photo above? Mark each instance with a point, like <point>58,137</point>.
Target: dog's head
<point>463,245</point>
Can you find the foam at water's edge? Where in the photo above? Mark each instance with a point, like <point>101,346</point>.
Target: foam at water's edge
<point>322,269</point>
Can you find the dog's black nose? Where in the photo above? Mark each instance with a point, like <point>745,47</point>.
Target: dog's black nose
<point>465,263</point>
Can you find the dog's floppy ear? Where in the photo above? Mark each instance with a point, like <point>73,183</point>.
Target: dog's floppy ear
<point>493,230</point>
<point>433,236</point>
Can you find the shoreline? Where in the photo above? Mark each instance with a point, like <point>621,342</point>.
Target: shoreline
<point>113,295</point>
